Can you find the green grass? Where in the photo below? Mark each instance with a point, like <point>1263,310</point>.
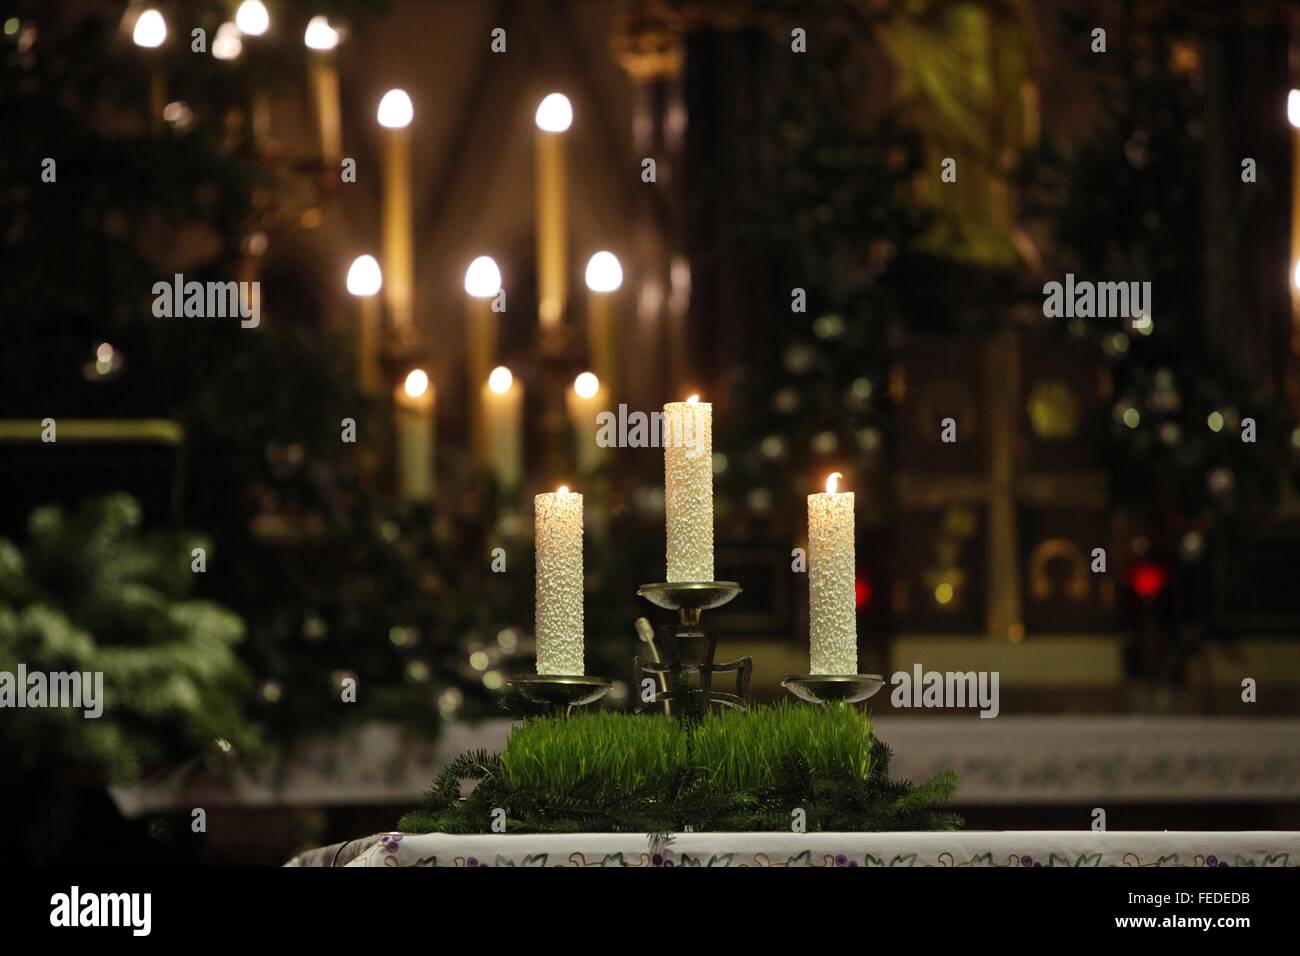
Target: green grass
<point>625,751</point>
<point>749,749</point>
<point>605,771</point>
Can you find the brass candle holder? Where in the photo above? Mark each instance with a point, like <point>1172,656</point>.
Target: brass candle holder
<point>688,651</point>
<point>832,688</point>
<point>559,691</point>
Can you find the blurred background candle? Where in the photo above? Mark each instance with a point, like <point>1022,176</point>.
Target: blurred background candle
<point>322,39</point>
<point>414,401</point>
<point>364,281</point>
<point>482,283</point>
<point>503,409</point>
<point>604,277</point>
<point>688,489</point>
<point>554,116</point>
<point>395,115</point>
<point>833,621</point>
<point>254,20</point>
<point>226,43</point>
<point>587,398</point>
<point>558,546</point>
<point>150,32</point>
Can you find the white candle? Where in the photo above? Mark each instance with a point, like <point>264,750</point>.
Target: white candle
<point>558,545</point>
<point>585,400</point>
<point>364,281</point>
<point>554,116</point>
<point>688,489</point>
<point>503,406</point>
<point>414,400</point>
<point>604,276</point>
<point>395,115</point>
<point>321,39</point>
<point>833,621</point>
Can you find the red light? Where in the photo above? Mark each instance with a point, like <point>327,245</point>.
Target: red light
<point>1148,579</point>
<point>862,593</point>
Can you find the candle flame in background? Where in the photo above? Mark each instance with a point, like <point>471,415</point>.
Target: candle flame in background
<point>320,35</point>
<point>833,483</point>
<point>693,400</point>
<point>252,18</point>
<point>604,272</point>
<point>1296,276</point>
<point>417,382</point>
<point>562,490</point>
<point>395,110</point>
<point>554,113</point>
<point>500,380</point>
<point>226,45</point>
<point>483,278</point>
<point>364,277</point>
<point>150,29</point>
<point>586,385</point>
<point>1293,108</point>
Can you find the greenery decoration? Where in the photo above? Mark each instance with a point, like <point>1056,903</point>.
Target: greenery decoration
<point>731,771</point>
<point>90,593</point>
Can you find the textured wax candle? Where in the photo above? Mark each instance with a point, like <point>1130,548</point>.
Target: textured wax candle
<point>688,489</point>
<point>558,545</point>
<point>833,622</point>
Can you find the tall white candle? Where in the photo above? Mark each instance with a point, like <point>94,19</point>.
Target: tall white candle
<point>558,545</point>
<point>833,621</point>
<point>688,489</point>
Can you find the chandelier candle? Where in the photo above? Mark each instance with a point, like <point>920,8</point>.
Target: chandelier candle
<point>413,402</point>
<point>688,489</point>
<point>503,411</point>
<point>554,117</point>
<point>482,283</point>
<point>833,623</point>
<point>395,115</point>
<point>584,401</point>
<point>558,545</point>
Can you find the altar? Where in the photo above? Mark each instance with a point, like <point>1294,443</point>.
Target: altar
<point>1011,848</point>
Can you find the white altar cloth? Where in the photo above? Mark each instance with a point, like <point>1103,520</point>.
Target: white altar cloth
<point>959,848</point>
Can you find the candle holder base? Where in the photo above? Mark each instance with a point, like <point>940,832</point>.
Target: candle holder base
<point>559,691</point>
<point>684,672</point>
<point>829,688</point>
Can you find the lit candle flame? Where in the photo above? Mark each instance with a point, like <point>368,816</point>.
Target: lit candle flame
<point>833,483</point>
<point>417,383</point>
<point>500,380</point>
<point>587,385</point>
<point>693,400</point>
<point>562,490</point>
